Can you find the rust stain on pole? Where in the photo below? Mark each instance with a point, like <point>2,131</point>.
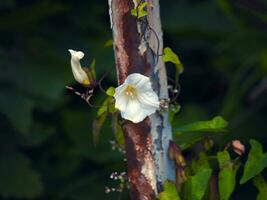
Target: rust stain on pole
<point>126,41</point>
<point>138,139</point>
<point>138,146</point>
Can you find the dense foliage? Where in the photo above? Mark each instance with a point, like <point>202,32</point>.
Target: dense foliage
<point>47,146</point>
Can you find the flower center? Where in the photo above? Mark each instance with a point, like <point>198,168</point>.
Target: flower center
<point>130,91</point>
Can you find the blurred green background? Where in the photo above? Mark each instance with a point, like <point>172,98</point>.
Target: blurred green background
<point>46,146</point>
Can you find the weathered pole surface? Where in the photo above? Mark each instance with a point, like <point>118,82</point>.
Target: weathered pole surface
<point>138,48</point>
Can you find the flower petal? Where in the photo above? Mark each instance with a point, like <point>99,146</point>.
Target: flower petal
<point>76,54</point>
<point>133,111</point>
<point>149,98</point>
<point>136,78</point>
<point>121,102</point>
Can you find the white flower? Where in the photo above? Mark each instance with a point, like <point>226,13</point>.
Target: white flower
<point>135,98</point>
<point>78,72</point>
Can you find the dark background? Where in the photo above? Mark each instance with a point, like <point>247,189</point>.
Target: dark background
<point>46,146</point>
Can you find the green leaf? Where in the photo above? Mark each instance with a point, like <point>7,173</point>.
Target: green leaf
<point>173,109</point>
<point>227,175</point>
<point>216,124</point>
<point>97,125</point>
<point>117,130</point>
<point>170,56</point>
<point>261,184</point>
<point>189,134</point>
<point>92,68</point>
<point>199,183</point>
<point>17,178</point>
<point>108,43</point>
<point>140,11</point>
<point>110,91</point>
<point>108,105</point>
<point>256,162</point>
<point>134,12</point>
<point>202,162</point>
<point>196,185</point>
<point>103,108</point>
<point>170,192</point>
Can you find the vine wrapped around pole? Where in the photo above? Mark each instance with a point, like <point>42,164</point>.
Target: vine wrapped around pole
<point>138,47</point>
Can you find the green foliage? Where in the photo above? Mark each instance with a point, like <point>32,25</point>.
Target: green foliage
<point>98,124</point>
<point>169,192</point>
<point>256,162</point>
<point>40,9</point>
<point>216,124</point>
<point>18,182</point>
<point>93,68</point>
<point>170,56</point>
<point>189,134</point>
<point>199,183</point>
<point>18,109</point>
<point>108,43</point>
<point>117,130</point>
<point>196,185</point>
<point>261,184</point>
<point>227,175</point>
<point>110,91</point>
<point>140,11</point>
<point>106,108</point>
<point>173,109</point>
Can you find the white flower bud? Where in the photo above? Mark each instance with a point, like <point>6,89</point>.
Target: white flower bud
<point>78,72</point>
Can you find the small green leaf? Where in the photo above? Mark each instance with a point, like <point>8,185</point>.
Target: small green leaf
<point>140,11</point>
<point>227,175</point>
<point>92,68</point>
<point>134,12</point>
<point>196,185</point>
<point>216,124</point>
<point>103,109</point>
<point>111,107</point>
<point>199,183</point>
<point>110,91</point>
<point>108,43</point>
<point>202,162</point>
<point>117,130</point>
<point>261,184</point>
<point>97,125</point>
<point>170,56</point>
<point>256,162</point>
<point>169,192</point>
<point>189,134</point>
<point>223,158</point>
<point>173,109</point>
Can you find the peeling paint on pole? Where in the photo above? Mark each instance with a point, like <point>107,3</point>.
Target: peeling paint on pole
<point>147,142</point>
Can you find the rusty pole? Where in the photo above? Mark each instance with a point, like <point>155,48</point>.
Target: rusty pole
<point>137,46</point>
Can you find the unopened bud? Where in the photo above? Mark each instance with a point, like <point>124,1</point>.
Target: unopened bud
<point>238,147</point>
<point>180,175</point>
<point>175,153</point>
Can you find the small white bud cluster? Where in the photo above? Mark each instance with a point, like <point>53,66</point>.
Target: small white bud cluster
<point>115,146</point>
<point>122,178</point>
<point>164,104</point>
